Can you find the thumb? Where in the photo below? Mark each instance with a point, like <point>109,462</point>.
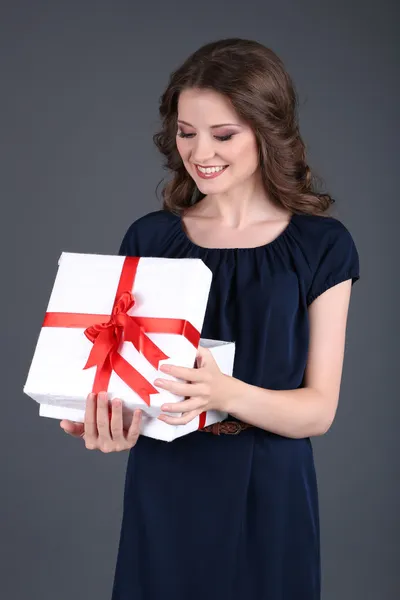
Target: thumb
<point>73,428</point>
<point>203,356</point>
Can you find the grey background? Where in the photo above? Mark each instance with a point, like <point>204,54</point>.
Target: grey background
<point>80,88</point>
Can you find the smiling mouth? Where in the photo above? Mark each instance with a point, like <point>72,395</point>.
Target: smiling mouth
<point>210,172</point>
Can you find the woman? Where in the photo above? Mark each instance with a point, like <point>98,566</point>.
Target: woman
<point>226,516</point>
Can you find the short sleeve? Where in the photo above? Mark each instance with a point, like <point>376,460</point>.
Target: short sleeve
<point>336,261</point>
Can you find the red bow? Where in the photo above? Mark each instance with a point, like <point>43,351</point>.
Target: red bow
<point>107,337</point>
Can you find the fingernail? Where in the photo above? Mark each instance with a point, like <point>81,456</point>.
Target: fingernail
<point>158,382</point>
<point>165,407</point>
<point>165,368</point>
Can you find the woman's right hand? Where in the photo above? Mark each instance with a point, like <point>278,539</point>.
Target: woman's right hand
<point>101,432</point>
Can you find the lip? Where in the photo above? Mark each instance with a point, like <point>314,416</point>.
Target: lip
<point>210,175</point>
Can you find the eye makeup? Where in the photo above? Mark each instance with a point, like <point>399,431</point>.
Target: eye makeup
<point>222,138</point>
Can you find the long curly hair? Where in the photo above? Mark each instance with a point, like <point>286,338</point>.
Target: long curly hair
<point>263,95</point>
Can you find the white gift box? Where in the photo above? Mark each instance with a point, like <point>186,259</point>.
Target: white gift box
<point>170,298</point>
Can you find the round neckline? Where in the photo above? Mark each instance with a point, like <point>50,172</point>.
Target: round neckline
<point>276,240</point>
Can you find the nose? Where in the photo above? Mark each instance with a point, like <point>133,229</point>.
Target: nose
<point>203,150</point>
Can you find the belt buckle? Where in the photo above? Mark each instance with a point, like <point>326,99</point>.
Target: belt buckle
<point>238,428</point>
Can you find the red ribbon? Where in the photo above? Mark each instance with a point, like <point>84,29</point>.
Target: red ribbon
<point>108,332</point>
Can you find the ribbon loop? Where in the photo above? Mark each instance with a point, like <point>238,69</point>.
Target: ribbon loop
<point>124,303</point>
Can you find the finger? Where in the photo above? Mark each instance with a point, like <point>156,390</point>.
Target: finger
<point>134,429</point>
<point>194,403</point>
<point>203,356</point>
<point>116,424</point>
<point>189,416</point>
<point>103,417</point>
<point>177,387</point>
<point>90,418</point>
<point>183,373</point>
<point>73,428</point>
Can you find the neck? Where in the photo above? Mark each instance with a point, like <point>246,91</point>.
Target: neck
<point>241,206</point>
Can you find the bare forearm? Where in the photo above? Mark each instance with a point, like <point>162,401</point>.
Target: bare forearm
<point>292,413</point>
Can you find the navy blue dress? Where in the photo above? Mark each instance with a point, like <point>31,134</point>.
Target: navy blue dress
<point>232,517</point>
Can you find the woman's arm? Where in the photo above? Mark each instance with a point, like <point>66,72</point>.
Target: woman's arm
<point>298,413</point>
<point>307,411</point>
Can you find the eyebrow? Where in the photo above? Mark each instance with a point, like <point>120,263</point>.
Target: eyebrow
<point>212,126</point>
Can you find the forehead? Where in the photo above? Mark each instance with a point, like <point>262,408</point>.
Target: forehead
<point>206,107</point>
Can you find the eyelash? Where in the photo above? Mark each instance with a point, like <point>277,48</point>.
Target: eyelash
<point>220,138</point>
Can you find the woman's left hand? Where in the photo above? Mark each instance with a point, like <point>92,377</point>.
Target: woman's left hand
<point>205,388</point>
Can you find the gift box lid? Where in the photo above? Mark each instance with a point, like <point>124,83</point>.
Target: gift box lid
<point>87,283</point>
<point>169,296</point>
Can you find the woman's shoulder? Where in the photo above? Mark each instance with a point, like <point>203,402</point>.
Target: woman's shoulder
<point>154,219</point>
<point>329,249</point>
<point>321,225</point>
<point>317,233</point>
<point>146,231</point>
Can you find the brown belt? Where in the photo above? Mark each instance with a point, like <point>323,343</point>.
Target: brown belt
<point>228,427</point>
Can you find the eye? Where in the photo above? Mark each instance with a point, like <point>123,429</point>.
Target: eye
<point>185,135</point>
<point>224,138</point>
<point>220,138</point>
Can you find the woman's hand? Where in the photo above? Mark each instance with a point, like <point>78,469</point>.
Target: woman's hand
<point>101,432</point>
<point>205,388</point>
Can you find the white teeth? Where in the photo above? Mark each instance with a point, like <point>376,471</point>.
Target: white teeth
<point>209,170</point>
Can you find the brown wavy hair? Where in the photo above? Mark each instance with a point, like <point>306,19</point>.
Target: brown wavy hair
<point>263,95</point>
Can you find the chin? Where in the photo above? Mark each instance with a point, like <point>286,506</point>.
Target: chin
<point>211,187</point>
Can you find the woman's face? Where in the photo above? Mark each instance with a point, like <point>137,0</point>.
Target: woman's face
<point>217,148</point>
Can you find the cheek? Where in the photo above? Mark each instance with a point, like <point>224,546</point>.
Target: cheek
<point>179,146</point>
<point>182,148</point>
<point>245,156</point>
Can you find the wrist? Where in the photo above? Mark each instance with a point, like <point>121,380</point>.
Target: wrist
<point>231,390</point>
